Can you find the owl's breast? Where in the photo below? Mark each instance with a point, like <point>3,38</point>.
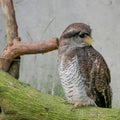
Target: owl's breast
<point>72,80</point>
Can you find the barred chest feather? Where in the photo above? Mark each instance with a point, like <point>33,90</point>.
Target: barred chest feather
<point>72,81</point>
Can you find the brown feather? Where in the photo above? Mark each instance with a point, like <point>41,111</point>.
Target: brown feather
<point>95,69</point>
<point>83,71</point>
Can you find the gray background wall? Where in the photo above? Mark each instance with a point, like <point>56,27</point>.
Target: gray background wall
<point>44,19</point>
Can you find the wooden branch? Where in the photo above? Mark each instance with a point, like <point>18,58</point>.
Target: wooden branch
<point>9,18</point>
<point>11,32</point>
<point>17,48</point>
<point>21,102</point>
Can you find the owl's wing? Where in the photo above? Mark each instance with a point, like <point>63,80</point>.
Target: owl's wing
<point>97,74</point>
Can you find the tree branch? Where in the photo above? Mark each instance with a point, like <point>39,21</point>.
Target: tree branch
<point>9,18</point>
<point>17,48</point>
<point>11,32</point>
<point>21,102</point>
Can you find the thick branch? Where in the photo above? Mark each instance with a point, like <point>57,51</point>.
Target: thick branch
<point>10,21</point>
<point>17,48</point>
<point>11,32</point>
<point>21,102</point>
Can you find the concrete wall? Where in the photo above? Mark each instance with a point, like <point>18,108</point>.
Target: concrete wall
<point>44,19</point>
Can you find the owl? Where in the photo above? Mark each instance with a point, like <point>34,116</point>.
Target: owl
<point>84,74</point>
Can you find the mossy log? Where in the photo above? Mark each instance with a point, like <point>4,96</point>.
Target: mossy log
<point>21,102</point>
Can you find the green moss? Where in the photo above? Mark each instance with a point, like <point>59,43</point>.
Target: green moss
<point>21,102</point>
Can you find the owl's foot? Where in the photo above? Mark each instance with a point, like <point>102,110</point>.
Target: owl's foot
<point>82,104</point>
<point>69,102</point>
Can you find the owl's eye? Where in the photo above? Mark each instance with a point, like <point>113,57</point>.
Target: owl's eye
<point>83,35</point>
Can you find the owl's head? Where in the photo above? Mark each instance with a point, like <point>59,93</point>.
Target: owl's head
<point>76,35</point>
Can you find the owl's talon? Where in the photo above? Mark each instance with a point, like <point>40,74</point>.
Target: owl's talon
<point>75,106</point>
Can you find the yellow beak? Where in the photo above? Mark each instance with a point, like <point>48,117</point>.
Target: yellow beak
<point>88,40</point>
